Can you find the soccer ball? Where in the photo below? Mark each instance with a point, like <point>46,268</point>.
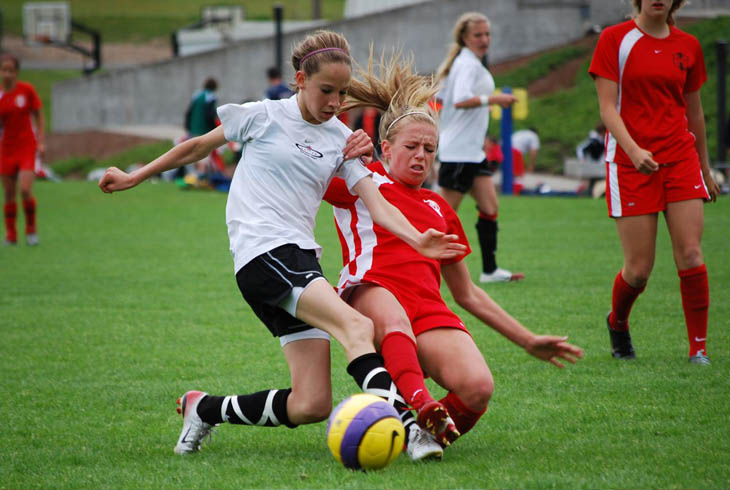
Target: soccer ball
<point>364,432</point>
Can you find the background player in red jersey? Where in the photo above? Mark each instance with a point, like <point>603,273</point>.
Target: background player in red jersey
<point>19,103</point>
<point>648,75</point>
<point>399,290</point>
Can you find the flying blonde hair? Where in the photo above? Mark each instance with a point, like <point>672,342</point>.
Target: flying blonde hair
<point>460,29</point>
<point>397,91</point>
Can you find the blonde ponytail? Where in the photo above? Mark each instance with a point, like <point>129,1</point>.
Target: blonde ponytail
<point>396,91</point>
<point>460,30</point>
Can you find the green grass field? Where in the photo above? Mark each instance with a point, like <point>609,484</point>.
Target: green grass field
<point>130,300</point>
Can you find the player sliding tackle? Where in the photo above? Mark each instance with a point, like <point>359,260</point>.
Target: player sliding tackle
<point>399,289</point>
<point>292,150</point>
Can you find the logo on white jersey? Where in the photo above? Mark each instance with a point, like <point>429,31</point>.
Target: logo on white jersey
<point>434,205</point>
<point>20,101</point>
<point>309,151</point>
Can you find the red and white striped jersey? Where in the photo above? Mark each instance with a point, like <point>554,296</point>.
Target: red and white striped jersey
<point>652,76</point>
<point>371,253</point>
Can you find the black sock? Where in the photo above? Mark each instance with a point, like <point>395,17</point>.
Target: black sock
<point>487,232</point>
<point>266,408</point>
<point>372,377</point>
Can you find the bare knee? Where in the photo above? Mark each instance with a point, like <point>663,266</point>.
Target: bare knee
<point>309,408</point>
<point>637,273</point>
<point>477,393</point>
<point>359,331</point>
<point>396,324</point>
<point>689,257</point>
<point>26,194</point>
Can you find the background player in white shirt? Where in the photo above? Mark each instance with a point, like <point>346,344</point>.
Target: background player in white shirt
<point>468,89</point>
<point>292,149</point>
<point>527,142</point>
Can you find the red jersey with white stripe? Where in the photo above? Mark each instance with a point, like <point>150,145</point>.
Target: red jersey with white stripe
<point>15,109</point>
<point>652,76</point>
<point>370,253</point>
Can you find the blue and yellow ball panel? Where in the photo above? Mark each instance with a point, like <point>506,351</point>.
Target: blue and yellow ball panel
<point>365,432</point>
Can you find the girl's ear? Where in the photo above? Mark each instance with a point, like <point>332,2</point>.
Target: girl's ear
<point>301,79</point>
<point>385,148</point>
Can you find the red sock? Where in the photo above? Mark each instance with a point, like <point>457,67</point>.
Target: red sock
<point>10,210</point>
<point>623,299</point>
<point>401,361</point>
<point>29,208</point>
<point>695,302</point>
<point>464,417</point>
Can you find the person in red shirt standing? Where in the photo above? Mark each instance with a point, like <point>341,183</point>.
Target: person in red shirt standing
<point>648,76</point>
<point>19,143</point>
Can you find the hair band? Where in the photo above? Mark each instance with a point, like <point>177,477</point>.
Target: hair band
<point>404,115</point>
<point>316,51</point>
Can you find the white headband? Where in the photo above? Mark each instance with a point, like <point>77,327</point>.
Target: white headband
<point>404,115</point>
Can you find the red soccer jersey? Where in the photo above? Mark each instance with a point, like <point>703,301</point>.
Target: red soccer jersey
<point>652,76</point>
<point>15,109</point>
<point>370,253</point>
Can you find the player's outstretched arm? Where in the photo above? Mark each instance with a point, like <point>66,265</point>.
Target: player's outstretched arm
<point>474,300</point>
<point>186,152</point>
<point>431,243</point>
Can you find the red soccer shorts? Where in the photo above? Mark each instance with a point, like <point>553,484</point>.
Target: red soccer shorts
<point>425,309</point>
<point>17,159</point>
<point>631,193</point>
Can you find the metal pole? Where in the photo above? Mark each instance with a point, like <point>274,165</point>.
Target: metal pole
<point>278,16</point>
<point>316,9</point>
<point>506,129</point>
<point>722,143</point>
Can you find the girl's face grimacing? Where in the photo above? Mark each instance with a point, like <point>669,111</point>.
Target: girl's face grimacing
<point>323,93</point>
<point>411,152</point>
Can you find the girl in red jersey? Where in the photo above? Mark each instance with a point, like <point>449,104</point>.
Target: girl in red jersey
<point>400,291</point>
<point>648,75</point>
<point>19,143</point>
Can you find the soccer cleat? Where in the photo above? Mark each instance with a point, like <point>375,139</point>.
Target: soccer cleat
<point>422,446</point>
<point>434,418</point>
<point>621,347</point>
<point>700,358</point>
<point>8,243</point>
<point>194,429</point>
<point>500,275</point>
<point>32,239</point>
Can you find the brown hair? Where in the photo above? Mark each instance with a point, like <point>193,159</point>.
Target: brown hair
<point>460,29</point>
<point>676,5</point>
<point>320,40</point>
<point>9,57</point>
<point>396,91</point>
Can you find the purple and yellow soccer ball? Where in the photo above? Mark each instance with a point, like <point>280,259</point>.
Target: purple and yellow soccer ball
<point>364,432</point>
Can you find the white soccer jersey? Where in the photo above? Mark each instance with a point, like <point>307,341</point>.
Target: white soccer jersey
<point>462,131</point>
<point>286,166</point>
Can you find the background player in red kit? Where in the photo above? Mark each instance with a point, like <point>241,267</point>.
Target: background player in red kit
<point>400,291</point>
<point>648,75</point>
<point>19,103</point>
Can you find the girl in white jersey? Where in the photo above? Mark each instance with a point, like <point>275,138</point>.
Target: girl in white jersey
<point>466,94</point>
<point>292,149</point>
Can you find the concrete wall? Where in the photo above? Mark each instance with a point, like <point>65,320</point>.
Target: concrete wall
<point>158,93</point>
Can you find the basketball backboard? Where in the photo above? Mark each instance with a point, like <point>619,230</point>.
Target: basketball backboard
<point>46,23</point>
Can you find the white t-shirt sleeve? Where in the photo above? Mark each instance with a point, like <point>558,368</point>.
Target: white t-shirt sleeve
<point>464,83</point>
<point>352,171</point>
<point>243,122</point>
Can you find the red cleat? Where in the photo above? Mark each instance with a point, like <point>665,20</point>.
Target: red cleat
<point>434,418</point>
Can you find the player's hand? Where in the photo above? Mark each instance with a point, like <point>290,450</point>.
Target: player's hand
<point>504,100</point>
<point>41,148</point>
<point>551,348</point>
<point>712,186</point>
<point>360,145</point>
<point>438,245</point>
<point>115,180</point>
<point>644,162</point>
